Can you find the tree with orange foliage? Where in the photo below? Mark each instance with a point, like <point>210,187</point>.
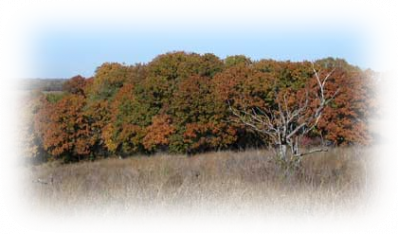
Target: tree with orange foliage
<point>64,129</point>
<point>199,117</point>
<point>158,133</point>
<point>345,120</point>
<point>291,119</point>
<point>242,85</point>
<point>188,102</point>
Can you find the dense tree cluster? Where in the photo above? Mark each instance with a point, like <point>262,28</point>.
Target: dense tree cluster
<point>180,103</point>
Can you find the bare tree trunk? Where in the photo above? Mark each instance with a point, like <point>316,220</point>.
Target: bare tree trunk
<point>296,149</point>
<point>283,151</point>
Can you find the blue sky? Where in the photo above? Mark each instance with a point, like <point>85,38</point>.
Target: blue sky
<point>63,39</point>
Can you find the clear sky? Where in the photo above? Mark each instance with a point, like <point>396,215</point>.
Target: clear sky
<point>63,39</point>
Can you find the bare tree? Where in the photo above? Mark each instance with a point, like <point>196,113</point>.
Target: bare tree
<point>286,124</point>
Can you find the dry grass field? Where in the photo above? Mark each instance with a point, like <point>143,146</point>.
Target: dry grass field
<point>248,180</point>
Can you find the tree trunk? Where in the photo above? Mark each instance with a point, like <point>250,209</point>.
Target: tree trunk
<point>296,147</point>
<point>282,151</point>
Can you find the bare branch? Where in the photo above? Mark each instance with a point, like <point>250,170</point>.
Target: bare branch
<point>285,124</point>
<point>314,151</point>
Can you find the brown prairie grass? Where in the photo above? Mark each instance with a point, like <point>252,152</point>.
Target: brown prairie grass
<point>247,180</point>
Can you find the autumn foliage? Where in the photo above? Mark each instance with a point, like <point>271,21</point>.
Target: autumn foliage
<point>63,127</point>
<point>344,121</point>
<point>180,102</point>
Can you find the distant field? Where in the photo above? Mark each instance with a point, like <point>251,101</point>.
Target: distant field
<point>328,181</point>
<point>19,93</point>
<point>42,84</point>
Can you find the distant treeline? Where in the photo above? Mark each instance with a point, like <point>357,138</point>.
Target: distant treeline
<point>180,103</point>
<point>40,84</point>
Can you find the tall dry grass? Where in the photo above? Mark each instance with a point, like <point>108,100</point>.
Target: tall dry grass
<point>248,180</point>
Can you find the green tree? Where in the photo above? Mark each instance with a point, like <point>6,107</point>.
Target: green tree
<point>234,60</point>
<point>108,79</point>
<point>334,63</point>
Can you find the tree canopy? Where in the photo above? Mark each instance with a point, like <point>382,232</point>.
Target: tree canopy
<point>181,103</point>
